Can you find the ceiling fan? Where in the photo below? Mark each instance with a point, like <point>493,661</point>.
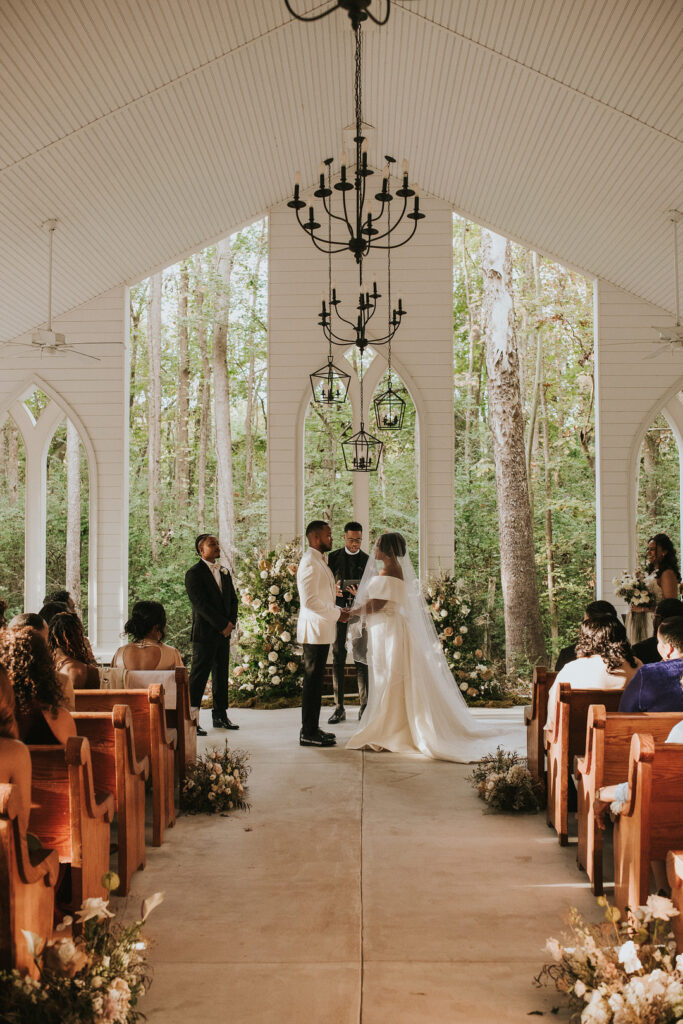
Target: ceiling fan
<point>45,339</point>
<point>672,334</point>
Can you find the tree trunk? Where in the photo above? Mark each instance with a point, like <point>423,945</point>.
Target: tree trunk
<point>523,626</point>
<point>154,412</point>
<point>12,462</point>
<point>221,404</point>
<point>73,514</point>
<point>474,335</point>
<point>650,475</point>
<point>249,415</point>
<point>204,394</point>
<point>182,460</point>
<point>549,554</point>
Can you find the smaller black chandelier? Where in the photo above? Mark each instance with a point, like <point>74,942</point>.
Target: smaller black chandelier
<point>357,10</point>
<point>390,408</point>
<point>366,309</point>
<point>362,452</point>
<point>329,384</point>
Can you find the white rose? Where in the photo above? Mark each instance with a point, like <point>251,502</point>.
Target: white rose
<point>257,603</point>
<point>465,610</point>
<point>463,686</point>
<point>275,680</point>
<point>285,637</point>
<point>580,988</point>
<point>264,574</point>
<point>660,908</point>
<point>463,629</point>
<point>272,656</point>
<point>443,613</point>
<point>456,655</point>
<point>628,956</point>
<point>287,597</point>
<point>272,670</point>
<point>274,590</point>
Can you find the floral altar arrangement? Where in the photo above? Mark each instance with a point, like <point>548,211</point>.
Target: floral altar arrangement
<point>270,661</point>
<point>215,782</point>
<point>633,588</point>
<point>620,971</point>
<point>451,611</point>
<point>98,974</point>
<point>505,783</point>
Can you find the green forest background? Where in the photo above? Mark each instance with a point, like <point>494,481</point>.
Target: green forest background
<point>554,333</point>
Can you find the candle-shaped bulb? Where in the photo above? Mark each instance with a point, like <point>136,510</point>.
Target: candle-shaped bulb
<point>364,146</point>
<point>343,158</point>
<point>322,169</point>
<point>404,166</point>
<point>297,178</point>
<point>386,171</point>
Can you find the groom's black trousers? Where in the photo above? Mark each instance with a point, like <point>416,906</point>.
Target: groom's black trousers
<point>211,657</point>
<point>315,659</point>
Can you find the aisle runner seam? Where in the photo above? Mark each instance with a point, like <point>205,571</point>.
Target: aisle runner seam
<point>362,908</point>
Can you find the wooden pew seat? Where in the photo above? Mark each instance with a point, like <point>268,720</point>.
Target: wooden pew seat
<point>651,822</point>
<point>66,815</point>
<point>179,716</point>
<point>605,763</point>
<point>534,719</point>
<point>117,770</point>
<point>566,741</point>
<point>27,887</point>
<point>153,739</point>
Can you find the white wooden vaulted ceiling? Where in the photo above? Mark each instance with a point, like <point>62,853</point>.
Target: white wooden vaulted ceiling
<point>149,127</point>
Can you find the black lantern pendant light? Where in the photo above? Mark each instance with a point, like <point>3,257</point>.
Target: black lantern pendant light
<point>357,228</point>
<point>390,408</point>
<point>362,451</point>
<point>329,384</point>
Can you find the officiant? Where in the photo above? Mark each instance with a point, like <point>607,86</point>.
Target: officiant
<point>347,565</point>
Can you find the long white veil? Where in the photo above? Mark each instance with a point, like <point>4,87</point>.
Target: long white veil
<point>447,728</point>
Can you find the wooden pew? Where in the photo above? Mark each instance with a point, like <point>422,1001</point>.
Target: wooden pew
<point>27,888</point>
<point>178,712</point>
<point>651,822</point>
<point>116,770</point>
<point>605,763</point>
<point>66,816</point>
<point>674,873</point>
<point>565,742</point>
<point>535,718</point>
<point>153,739</point>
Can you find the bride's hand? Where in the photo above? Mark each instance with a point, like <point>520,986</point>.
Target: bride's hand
<point>351,590</point>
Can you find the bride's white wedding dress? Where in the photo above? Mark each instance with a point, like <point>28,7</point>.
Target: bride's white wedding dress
<point>414,703</point>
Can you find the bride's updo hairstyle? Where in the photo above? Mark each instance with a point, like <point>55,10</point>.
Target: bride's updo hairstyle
<point>392,544</point>
<point>143,618</point>
<point>605,636</point>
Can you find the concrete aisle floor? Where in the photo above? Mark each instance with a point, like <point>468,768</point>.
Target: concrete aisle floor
<point>360,888</point>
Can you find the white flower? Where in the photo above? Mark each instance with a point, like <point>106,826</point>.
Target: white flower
<point>275,590</point>
<point>292,666</point>
<point>264,574</point>
<point>275,680</point>
<point>288,597</point>
<point>272,670</point>
<point>443,613</point>
<point>679,963</point>
<point>555,949</point>
<point>34,943</point>
<point>659,908</point>
<point>463,686</point>
<point>628,956</point>
<point>95,907</point>
<point>272,656</point>
<point>465,610</point>
<point>285,637</point>
<point>596,1011</point>
<point>257,603</point>
<point>150,903</point>
<point>579,988</point>
<point>463,629</point>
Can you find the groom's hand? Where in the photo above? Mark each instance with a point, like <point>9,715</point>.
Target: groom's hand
<point>345,615</point>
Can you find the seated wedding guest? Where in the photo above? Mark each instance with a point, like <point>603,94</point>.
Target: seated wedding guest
<point>40,704</point>
<point>60,597</point>
<point>29,619</point>
<point>146,650</point>
<point>659,687</point>
<point>568,653</point>
<point>15,760</point>
<point>74,661</point>
<point>604,661</point>
<point>52,608</point>
<point>646,650</point>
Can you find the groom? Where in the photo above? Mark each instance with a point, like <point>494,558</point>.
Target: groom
<point>316,628</point>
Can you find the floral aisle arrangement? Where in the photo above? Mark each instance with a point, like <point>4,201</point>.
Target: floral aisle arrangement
<point>505,783</point>
<point>633,588</point>
<point>96,975</point>
<point>215,782</point>
<point>621,971</point>
<point>451,611</point>
<point>269,662</point>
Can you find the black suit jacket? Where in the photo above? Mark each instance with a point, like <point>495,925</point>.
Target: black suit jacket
<point>345,566</point>
<point>212,609</point>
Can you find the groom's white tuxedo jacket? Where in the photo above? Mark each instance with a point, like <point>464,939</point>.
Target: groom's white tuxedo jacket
<point>318,616</point>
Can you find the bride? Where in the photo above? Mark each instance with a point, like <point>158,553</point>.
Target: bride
<point>414,703</point>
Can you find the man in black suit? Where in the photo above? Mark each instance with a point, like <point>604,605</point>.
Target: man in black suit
<point>214,615</point>
<point>568,653</point>
<point>347,565</point>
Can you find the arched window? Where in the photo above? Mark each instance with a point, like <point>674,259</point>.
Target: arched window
<point>328,486</point>
<point>67,515</point>
<point>659,485</point>
<point>394,489</point>
<point>12,515</point>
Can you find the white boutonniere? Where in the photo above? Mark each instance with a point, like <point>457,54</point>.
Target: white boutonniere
<point>224,571</point>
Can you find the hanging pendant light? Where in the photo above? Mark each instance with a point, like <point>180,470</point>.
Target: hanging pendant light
<point>362,452</point>
<point>329,384</point>
<point>390,408</point>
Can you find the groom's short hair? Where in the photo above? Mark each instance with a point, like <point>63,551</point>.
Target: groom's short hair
<point>355,527</point>
<point>315,526</point>
<point>200,540</point>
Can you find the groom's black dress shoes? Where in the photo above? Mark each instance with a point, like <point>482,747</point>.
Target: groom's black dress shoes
<point>338,715</point>
<point>223,722</point>
<point>319,739</point>
<point>200,731</point>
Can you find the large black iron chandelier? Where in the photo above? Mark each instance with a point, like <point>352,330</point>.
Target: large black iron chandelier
<point>357,10</point>
<point>357,228</point>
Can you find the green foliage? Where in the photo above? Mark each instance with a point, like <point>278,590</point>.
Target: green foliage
<point>268,661</point>
<point>214,783</point>
<point>503,781</point>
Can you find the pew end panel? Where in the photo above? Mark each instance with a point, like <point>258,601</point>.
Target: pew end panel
<point>534,719</point>
<point>674,873</point>
<point>27,888</point>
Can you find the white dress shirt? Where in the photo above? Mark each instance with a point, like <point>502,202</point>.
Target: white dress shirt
<point>215,572</point>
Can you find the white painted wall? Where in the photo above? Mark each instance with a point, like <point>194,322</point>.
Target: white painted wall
<point>631,390</point>
<point>422,273</point>
<point>94,395</point>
